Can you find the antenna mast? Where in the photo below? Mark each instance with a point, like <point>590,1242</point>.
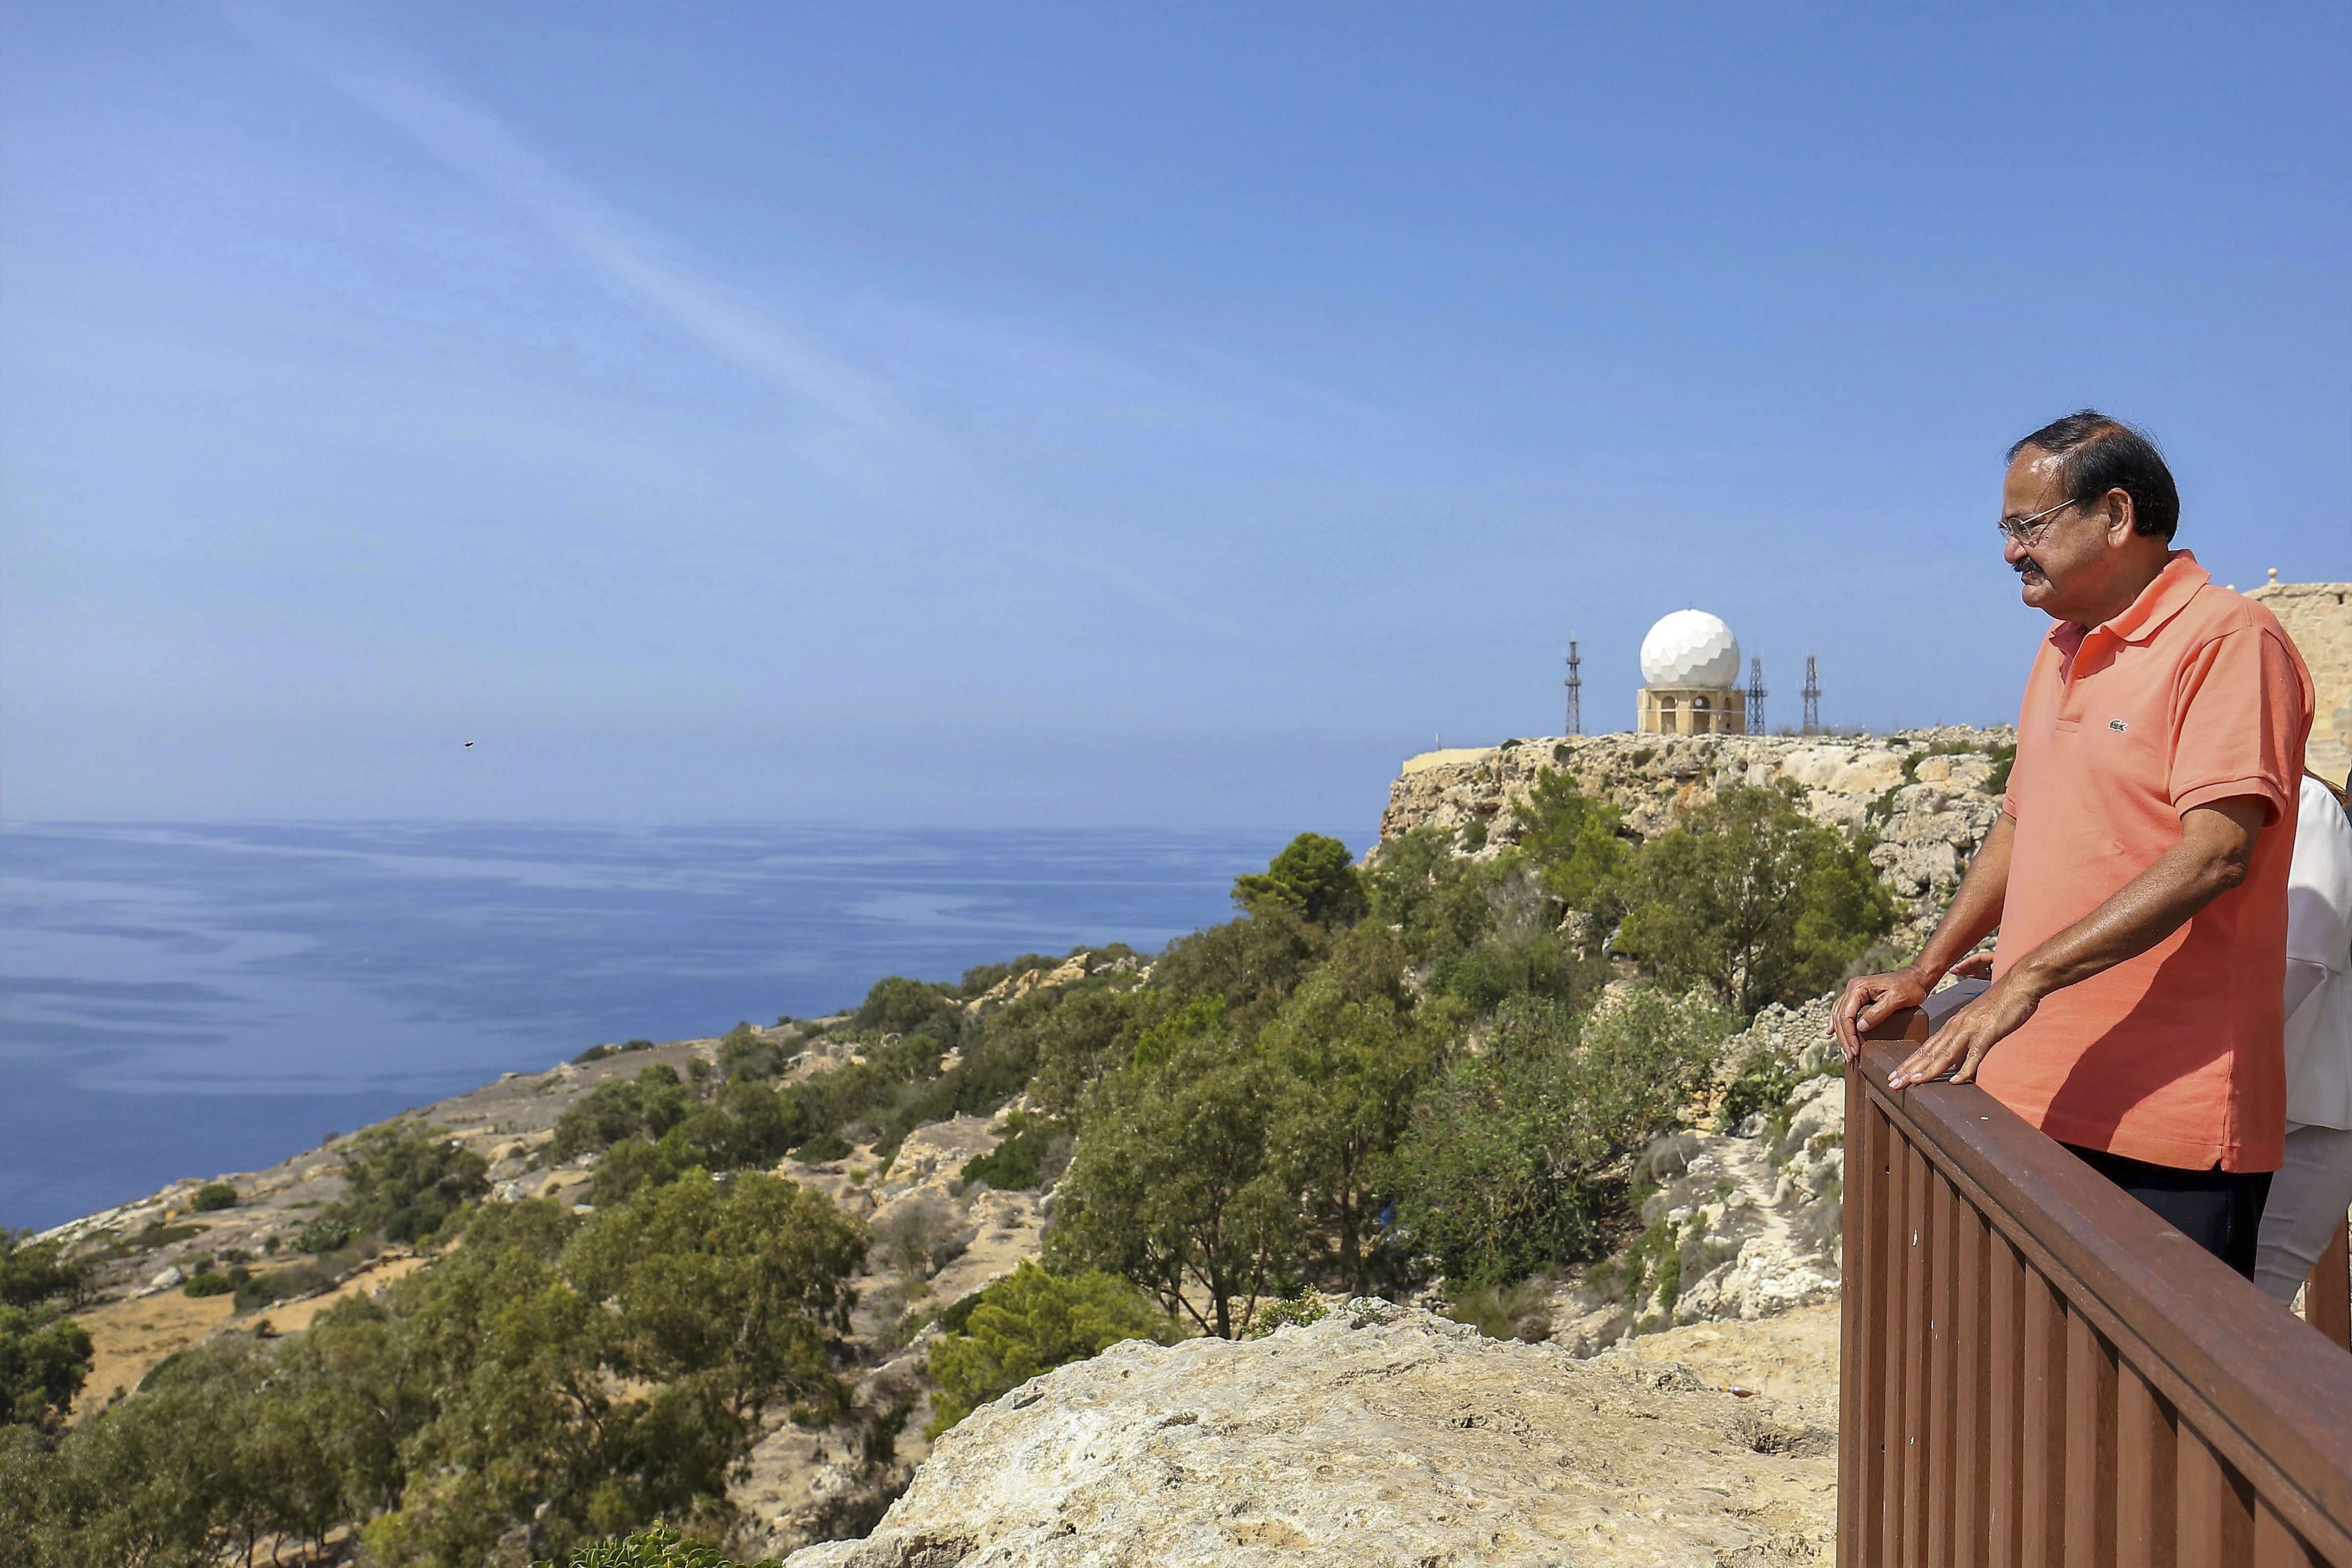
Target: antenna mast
<point>1575,691</point>
<point>1756,697</point>
<point>1812,695</point>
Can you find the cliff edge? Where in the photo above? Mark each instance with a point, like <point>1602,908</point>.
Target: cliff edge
<point>1379,1434</point>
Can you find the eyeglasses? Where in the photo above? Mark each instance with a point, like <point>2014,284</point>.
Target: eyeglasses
<point>2028,530</point>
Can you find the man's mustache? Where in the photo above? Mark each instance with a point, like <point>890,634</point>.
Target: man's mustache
<point>2025,564</point>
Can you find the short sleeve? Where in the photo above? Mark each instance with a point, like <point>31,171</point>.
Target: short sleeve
<point>2241,709</point>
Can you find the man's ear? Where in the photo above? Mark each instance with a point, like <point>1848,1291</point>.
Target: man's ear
<point>2121,517</point>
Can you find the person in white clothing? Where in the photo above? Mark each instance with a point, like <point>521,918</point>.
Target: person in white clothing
<point>2309,1193</point>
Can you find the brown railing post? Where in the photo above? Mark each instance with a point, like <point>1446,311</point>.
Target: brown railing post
<point>2037,1372</point>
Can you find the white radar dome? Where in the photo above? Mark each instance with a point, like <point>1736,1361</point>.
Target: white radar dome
<point>1690,648</point>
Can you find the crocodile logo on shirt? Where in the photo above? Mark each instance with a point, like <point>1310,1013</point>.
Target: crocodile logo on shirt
<point>2117,725</point>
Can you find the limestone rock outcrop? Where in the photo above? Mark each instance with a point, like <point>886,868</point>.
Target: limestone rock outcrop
<point>1927,793</point>
<point>1379,1434</point>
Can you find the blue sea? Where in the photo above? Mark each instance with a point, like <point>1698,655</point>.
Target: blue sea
<point>181,1000</point>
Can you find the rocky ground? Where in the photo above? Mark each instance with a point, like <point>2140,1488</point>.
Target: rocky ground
<point>1385,1435</point>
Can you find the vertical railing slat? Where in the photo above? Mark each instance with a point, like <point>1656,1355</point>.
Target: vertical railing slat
<point>2090,1447</point>
<point>1970,1451</point>
<point>2004,1488</point>
<point>2276,1546</point>
<point>2043,1453</point>
<point>2215,1509</point>
<point>2145,1522</point>
<point>1877,1459</point>
<point>1943,1452</point>
<point>1890,1369</point>
<point>1917,1306</point>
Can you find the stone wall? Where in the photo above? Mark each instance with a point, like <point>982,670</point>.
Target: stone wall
<point>2318,616</point>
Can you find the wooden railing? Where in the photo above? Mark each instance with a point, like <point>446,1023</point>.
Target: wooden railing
<point>2037,1371</point>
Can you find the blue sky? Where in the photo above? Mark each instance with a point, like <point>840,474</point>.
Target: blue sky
<point>959,415</point>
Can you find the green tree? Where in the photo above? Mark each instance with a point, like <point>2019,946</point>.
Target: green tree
<point>1314,877</point>
<point>745,1126</point>
<point>1437,899</point>
<point>44,1359</point>
<point>33,1272</point>
<point>1510,1153</point>
<point>403,1179</point>
<point>744,1052</point>
<point>899,1005</point>
<point>1754,899</point>
<point>1353,1052</point>
<point>647,1106</point>
<point>1177,1183</point>
<point>1248,964</point>
<point>1029,1322</point>
<point>1067,1038</point>
<point>1573,841</point>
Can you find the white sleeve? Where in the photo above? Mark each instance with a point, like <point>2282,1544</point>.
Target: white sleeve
<point>2319,882</point>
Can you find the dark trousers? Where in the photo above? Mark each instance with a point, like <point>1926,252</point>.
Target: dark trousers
<point>2220,1210</point>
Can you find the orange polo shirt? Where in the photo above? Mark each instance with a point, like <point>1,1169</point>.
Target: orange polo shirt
<point>2192,695</point>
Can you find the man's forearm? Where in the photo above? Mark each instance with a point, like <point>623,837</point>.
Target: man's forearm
<point>2216,845</point>
<point>1976,907</point>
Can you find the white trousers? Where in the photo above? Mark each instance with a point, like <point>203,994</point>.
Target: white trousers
<point>2308,1200</point>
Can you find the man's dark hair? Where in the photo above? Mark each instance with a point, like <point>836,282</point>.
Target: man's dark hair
<point>2096,454</point>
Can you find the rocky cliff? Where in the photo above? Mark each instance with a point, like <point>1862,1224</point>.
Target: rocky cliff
<point>1381,1435</point>
<point>1928,794</point>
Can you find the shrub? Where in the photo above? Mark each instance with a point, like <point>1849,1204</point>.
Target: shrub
<point>326,1233</point>
<point>921,1235</point>
<point>744,1052</point>
<point>404,1179</point>
<point>297,1279</point>
<point>1028,1322</point>
<point>1520,1311</point>
<point>899,1005</point>
<point>656,1547</point>
<point>1020,1162</point>
<point>645,1106</point>
<point>1510,1156</point>
<point>823,1149</point>
<point>1298,1309</point>
<point>594,1054</point>
<point>214,1196</point>
<point>208,1283</point>
<point>1764,1083</point>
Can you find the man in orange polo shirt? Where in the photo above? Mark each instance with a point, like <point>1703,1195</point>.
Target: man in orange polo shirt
<point>2138,873</point>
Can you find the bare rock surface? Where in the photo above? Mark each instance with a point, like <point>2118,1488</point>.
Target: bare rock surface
<point>1381,1434</point>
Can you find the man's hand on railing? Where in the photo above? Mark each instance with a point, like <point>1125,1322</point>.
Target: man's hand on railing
<point>1967,1035</point>
<point>1872,999</point>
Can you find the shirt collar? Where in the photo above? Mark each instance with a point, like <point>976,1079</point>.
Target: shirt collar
<point>2162,599</point>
